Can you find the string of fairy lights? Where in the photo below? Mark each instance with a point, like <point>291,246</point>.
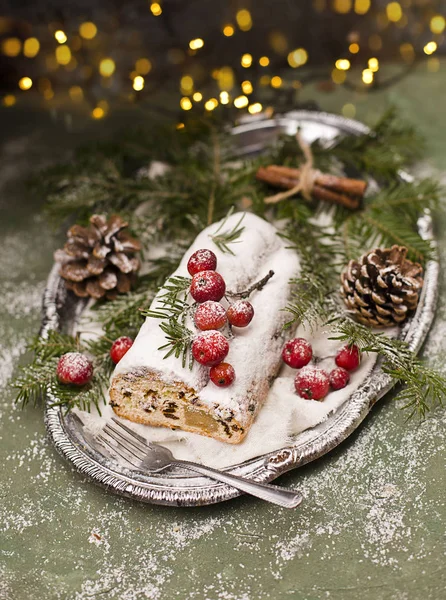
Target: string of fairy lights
<point>77,57</point>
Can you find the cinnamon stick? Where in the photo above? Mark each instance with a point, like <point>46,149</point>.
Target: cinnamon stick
<point>278,179</point>
<point>346,185</point>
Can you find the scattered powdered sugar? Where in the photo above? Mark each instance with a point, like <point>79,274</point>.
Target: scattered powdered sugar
<point>372,521</point>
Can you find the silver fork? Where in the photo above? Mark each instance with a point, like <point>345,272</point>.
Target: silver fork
<point>154,458</point>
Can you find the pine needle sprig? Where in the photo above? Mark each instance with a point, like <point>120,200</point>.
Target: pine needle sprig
<point>54,345</point>
<point>172,300</point>
<point>424,388</point>
<point>311,298</point>
<point>222,239</point>
<point>123,316</point>
<point>390,217</point>
<point>172,310</point>
<point>39,379</point>
<point>34,380</point>
<point>179,339</point>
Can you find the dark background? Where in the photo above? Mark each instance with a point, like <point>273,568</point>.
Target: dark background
<point>396,33</point>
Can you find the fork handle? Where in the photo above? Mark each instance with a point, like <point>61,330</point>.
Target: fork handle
<point>270,493</point>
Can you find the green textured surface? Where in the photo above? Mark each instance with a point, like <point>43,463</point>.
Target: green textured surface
<point>373,520</point>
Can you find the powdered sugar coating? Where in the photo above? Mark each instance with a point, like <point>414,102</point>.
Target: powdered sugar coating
<point>262,250</point>
<point>210,315</point>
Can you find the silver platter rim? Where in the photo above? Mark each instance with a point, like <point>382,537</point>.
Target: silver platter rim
<point>184,489</point>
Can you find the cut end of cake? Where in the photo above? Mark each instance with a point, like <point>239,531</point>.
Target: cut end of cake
<point>141,396</point>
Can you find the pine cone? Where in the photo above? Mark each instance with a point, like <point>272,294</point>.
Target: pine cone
<point>383,288</point>
<point>99,260</point>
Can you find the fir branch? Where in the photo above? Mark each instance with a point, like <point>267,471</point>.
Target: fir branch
<point>390,217</point>
<point>122,316</point>
<point>312,297</point>
<point>173,309</point>
<point>179,339</point>
<point>33,381</point>
<point>39,379</point>
<point>424,388</point>
<point>222,238</point>
<point>54,345</point>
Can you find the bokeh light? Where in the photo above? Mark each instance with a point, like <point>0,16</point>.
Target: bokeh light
<point>241,102</point>
<point>138,83</point>
<point>107,67</point>
<point>25,83</point>
<point>11,46</point>
<point>60,36</point>
<point>31,47</point>
<point>246,60</point>
<point>244,20</point>
<point>185,103</point>
<point>63,55</point>
<point>156,9</point>
<point>88,30</point>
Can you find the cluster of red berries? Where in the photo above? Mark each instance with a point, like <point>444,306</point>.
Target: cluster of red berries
<point>311,382</point>
<point>75,368</point>
<point>208,287</point>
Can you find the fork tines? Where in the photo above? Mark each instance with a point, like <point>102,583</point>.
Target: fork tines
<point>126,443</point>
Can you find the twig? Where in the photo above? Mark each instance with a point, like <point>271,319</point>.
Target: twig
<point>259,285</point>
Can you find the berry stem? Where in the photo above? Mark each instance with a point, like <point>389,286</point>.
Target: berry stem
<point>259,285</point>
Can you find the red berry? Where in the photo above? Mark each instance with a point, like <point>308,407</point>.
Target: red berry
<point>120,347</point>
<point>202,260</point>
<point>240,313</point>
<point>210,315</point>
<point>297,353</point>
<point>210,348</point>
<point>339,378</point>
<point>222,375</point>
<point>74,368</point>
<point>348,357</point>
<point>207,285</point>
<point>312,383</point>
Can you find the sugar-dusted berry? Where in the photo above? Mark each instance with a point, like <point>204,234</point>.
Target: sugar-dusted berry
<point>297,353</point>
<point>210,348</point>
<point>207,285</point>
<point>202,260</point>
<point>240,313</point>
<point>312,383</point>
<point>120,347</point>
<point>339,378</point>
<point>210,315</point>
<point>74,368</point>
<point>222,375</point>
<point>349,357</point>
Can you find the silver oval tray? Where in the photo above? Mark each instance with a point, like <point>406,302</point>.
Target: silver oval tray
<point>177,488</point>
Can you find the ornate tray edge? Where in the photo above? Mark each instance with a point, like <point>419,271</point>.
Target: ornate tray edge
<point>312,444</point>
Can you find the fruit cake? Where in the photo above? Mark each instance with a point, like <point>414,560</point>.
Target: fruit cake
<point>236,325</point>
